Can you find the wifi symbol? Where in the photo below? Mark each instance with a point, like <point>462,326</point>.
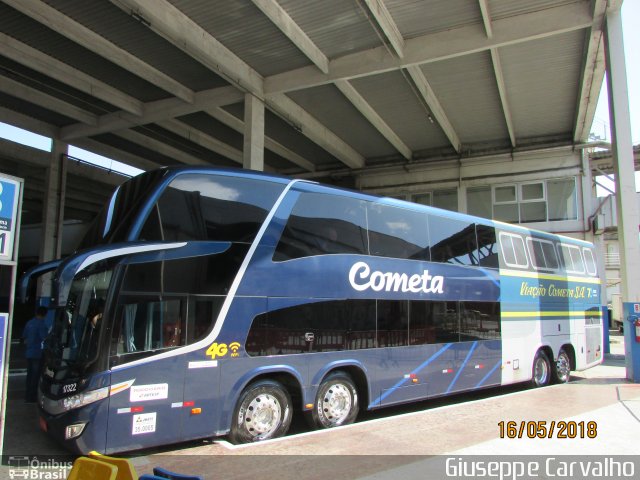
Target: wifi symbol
<point>234,348</point>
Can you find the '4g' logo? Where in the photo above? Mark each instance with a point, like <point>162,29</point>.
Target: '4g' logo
<point>217,350</point>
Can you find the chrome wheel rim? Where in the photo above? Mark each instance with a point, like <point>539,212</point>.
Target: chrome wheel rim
<point>541,371</point>
<point>336,403</point>
<point>263,415</point>
<point>563,367</point>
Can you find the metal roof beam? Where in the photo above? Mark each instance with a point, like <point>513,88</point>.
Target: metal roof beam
<point>154,112</point>
<point>502,90</point>
<point>429,96</point>
<point>237,124</point>
<point>200,138</point>
<point>173,25</point>
<point>372,116</point>
<point>386,23</point>
<point>316,131</point>
<point>293,32</point>
<point>486,17</point>
<point>497,70</point>
<point>44,100</point>
<point>26,122</point>
<point>114,153</point>
<point>438,46</point>
<point>170,23</point>
<point>593,70</point>
<point>80,34</point>
<point>161,147</point>
<point>36,60</point>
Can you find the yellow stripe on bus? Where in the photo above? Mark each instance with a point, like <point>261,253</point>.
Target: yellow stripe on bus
<point>548,276</point>
<point>583,313</point>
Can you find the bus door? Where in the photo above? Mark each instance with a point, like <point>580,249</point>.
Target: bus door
<point>201,405</point>
<point>146,392</point>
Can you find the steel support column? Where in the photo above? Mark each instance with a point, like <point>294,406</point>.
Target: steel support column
<point>626,198</point>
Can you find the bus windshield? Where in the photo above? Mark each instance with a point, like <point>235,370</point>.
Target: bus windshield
<point>114,221</point>
<point>77,327</point>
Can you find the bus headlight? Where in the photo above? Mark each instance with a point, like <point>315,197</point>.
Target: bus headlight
<point>73,431</point>
<point>84,398</point>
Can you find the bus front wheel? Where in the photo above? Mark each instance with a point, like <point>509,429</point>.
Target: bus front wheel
<point>263,412</point>
<point>541,372</point>
<point>562,370</point>
<point>336,402</point>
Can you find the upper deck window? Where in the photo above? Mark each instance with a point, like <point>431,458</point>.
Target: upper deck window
<point>543,254</point>
<point>323,224</point>
<point>589,261</point>
<point>513,250</point>
<point>211,207</point>
<point>452,241</point>
<point>572,258</point>
<point>397,232</point>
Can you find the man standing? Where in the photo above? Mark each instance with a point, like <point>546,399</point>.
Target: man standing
<point>35,331</point>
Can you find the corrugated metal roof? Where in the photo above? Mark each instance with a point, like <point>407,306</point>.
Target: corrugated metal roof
<point>541,80</point>
<point>337,27</point>
<point>56,89</point>
<point>245,30</point>
<point>34,111</point>
<point>390,94</point>
<point>329,106</point>
<point>129,34</point>
<point>467,90</point>
<point>509,8</point>
<point>542,76</point>
<point>417,17</point>
<point>52,43</point>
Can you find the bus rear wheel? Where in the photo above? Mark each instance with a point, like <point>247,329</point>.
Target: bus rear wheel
<point>541,371</point>
<point>562,370</point>
<point>336,402</point>
<point>263,412</point>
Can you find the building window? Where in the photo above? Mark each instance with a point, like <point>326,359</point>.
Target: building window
<point>505,203</point>
<point>445,199</point>
<point>562,199</point>
<point>528,202</point>
<point>533,206</point>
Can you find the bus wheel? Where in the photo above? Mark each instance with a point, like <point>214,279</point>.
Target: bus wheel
<point>263,412</point>
<point>336,402</point>
<point>562,370</point>
<point>541,370</point>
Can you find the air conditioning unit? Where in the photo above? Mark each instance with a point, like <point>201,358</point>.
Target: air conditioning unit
<point>597,225</point>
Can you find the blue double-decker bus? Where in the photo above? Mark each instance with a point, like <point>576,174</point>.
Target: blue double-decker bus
<point>210,302</point>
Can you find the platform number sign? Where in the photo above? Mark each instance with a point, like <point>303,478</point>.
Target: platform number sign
<point>8,208</point>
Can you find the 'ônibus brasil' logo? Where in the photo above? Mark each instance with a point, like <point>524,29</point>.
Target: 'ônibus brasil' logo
<point>362,278</point>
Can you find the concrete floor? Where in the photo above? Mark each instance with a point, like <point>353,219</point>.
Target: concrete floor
<point>397,445</point>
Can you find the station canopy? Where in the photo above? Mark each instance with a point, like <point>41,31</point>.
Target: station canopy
<point>346,84</point>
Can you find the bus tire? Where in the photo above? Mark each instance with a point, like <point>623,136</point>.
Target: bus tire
<point>263,412</point>
<point>541,370</point>
<point>336,402</point>
<point>562,368</point>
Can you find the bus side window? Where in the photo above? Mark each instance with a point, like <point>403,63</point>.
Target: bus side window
<point>487,246</point>
<point>452,241</point>
<point>146,323</point>
<point>211,207</point>
<point>433,322</point>
<point>513,250</point>
<point>543,254</point>
<point>322,224</point>
<point>571,258</point>
<point>397,232</point>
<point>590,261</point>
<point>202,316</point>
